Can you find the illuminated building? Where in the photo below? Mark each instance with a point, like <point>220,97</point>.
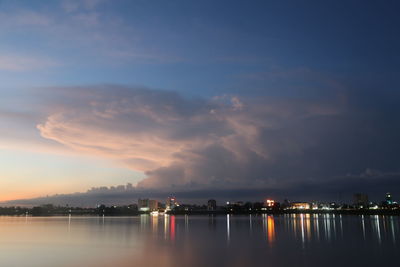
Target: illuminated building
<point>143,204</point>
<point>389,200</point>
<point>211,204</point>
<point>171,204</point>
<point>269,203</point>
<point>300,205</point>
<point>153,205</point>
<point>147,204</point>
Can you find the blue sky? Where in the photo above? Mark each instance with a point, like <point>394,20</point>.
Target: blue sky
<point>193,47</point>
<point>267,68</point>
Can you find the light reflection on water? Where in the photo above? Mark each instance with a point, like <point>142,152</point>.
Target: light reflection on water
<point>228,240</point>
<point>228,228</point>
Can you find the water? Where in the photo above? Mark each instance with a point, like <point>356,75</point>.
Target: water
<point>183,241</point>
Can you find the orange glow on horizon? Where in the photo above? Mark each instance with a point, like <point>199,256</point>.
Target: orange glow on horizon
<point>20,195</point>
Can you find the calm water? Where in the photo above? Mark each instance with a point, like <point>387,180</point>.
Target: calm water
<point>283,240</point>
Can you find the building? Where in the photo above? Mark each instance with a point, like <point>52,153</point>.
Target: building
<point>389,200</point>
<point>143,204</point>
<point>171,203</point>
<point>211,205</point>
<point>361,200</point>
<point>269,203</point>
<point>300,205</point>
<point>147,204</point>
<point>153,205</point>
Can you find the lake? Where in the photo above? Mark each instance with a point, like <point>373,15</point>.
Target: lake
<point>183,241</point>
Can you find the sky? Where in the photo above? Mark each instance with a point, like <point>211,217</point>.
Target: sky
<point>230,100</point>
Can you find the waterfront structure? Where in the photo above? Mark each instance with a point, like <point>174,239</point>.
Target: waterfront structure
<point>147,204</point>
<point>171,204</point>
<point>212,205</point>
<point>300,205</point>
<point>269,203</point>
<point>143,204</point>
<point>389,200</point>
<point>153,205</point>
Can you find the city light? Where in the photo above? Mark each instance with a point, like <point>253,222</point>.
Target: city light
<point>269,202</point>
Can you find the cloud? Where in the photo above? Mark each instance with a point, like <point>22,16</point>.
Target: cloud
<point>78,29</point>
<point>340,189</point>
<point>304,148</point>
<point>71,6</point>
<point>24,17</point>
<point>225,141</point>
<point>13,62</point>
<point>228,142</point>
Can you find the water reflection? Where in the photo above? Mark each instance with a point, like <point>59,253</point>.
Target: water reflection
<point>212,240</point>
<point>144,220</point>
<point>341,225</point>
<point>328,230</point>
<point>271,229</point>
<point>377,227</point>
<point>250,223</point>
<point>212,222</point>
<point>228,229</point>
<point>166,226</point>
<point>392,230</point>
<point>186,223</point>
<point>172,227</point>
<point>69,223</point>
<point>302,227</point>
<point>363,226</point>
<point>154,221</point>
<point>316,224</point>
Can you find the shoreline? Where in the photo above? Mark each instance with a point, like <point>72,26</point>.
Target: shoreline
<point>221,213</point>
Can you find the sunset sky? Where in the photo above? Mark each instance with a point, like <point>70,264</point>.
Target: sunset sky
<point>222,99</point>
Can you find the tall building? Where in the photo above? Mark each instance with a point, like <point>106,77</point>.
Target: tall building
<point>360,200</point>
<point>389,200</point>
<point>212,205</point>
<point>153,205</point>
<point>143,204</point>
<point>171,203</point>
<point>147,204</point>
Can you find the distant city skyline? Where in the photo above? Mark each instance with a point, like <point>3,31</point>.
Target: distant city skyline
<point>129,194</point>
<point>199,99</point>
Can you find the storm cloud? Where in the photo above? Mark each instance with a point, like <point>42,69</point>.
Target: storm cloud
<point>229,142</point>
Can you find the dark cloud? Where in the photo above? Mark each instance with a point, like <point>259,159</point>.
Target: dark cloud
<point>340,189</point>
<point>231,142</point>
